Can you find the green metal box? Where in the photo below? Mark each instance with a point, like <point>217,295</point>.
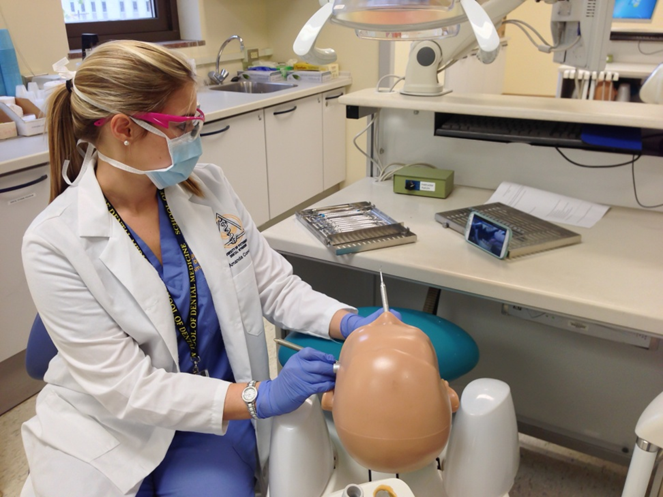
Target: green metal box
<point>424,181</point>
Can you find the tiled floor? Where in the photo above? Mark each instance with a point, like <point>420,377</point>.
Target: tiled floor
<point>13,466</point>
<point>546,470</point>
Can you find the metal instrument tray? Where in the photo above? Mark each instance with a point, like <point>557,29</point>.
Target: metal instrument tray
<point>354,227</point>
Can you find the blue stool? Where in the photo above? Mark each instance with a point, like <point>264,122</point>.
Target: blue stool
<point>40,350</point>
<point>457,353</point>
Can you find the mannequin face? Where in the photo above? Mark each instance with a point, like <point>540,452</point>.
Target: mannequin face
<point>391,410</point>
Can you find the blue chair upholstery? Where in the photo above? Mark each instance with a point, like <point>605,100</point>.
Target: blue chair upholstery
<point>40,350</point>
<point>457,353</point>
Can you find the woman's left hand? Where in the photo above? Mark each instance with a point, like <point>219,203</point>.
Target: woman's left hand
<point>307,372</point>
<point>351,322</point>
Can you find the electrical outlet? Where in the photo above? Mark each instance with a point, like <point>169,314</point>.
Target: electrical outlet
<point>252,55</point>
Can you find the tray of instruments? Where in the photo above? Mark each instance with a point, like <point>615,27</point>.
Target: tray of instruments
<point>354,227</point>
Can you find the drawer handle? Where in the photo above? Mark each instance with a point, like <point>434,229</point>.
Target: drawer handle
<point>25,185</point>
<point>285,111</point>
<point>222,130</point>
<point>334,97</point>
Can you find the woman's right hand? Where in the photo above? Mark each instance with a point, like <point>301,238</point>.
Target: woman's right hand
<point>307,372</point>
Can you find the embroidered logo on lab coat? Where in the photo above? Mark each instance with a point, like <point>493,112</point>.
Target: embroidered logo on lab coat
<point>234,237</point>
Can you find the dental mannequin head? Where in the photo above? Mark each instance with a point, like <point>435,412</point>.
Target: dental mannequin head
<point>116,81</point>
<point>391,409</point>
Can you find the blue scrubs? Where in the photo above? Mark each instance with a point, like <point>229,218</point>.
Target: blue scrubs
<point>199,464</point>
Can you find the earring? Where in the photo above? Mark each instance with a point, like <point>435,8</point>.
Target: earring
<point>126,143</point>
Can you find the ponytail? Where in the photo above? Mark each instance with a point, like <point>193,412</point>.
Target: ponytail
<point>61,140</point>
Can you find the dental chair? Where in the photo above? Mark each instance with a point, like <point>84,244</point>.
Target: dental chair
<point>457,353</point>
<point>308,458</point>
<point>308,455</point>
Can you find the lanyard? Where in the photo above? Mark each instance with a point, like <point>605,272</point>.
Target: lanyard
<point>190,332</point>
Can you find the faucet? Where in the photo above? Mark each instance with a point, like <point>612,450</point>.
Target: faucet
<point>219,76</point>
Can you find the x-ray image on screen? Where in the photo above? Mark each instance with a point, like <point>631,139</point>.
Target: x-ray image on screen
<point>634,10</point>
<point>486,235</point>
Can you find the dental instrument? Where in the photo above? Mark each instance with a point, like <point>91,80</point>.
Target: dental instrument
<point>286,344</point>
<point>383,294</point>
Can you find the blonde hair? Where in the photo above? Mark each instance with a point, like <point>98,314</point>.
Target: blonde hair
<point>124,76</point>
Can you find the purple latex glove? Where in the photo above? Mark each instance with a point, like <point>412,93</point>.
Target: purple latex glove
<point>307,372</point>
<point>350,322</point>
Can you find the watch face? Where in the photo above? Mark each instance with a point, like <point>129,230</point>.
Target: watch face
<point>249,394</point>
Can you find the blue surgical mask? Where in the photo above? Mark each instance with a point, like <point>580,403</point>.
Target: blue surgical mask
<point>184,152</point>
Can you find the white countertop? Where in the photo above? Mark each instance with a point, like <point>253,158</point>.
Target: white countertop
<point>26,151</point>
<point>220,104</point>
<point>524,107</point>
<point>23,151</point>
<point>613,277</point>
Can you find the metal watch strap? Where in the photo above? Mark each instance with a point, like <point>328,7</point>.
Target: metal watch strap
<point>251,405</point>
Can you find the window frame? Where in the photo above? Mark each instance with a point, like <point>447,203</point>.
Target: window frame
<point>163,27</point>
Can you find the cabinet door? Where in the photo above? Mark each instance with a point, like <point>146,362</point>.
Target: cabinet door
<point>333,138</point>
<point>23,195</point>
<point>294,152</point>
<point>237,145</point>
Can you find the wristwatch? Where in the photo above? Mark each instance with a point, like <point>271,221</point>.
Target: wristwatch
<point>249,396</point>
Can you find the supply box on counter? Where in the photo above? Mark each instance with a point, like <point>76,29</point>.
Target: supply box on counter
<point>334,69</point>
<point>262,76</point>
<point>24,127</point>
<point>314,76</point>
<point>7,127</point>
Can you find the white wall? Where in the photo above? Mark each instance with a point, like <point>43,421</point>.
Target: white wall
<point>528,71</point>
<point>360,57</point>
<point>223,18</point>
<point>37,31</point>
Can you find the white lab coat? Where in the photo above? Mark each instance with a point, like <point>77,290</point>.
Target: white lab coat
<point>115,396</point>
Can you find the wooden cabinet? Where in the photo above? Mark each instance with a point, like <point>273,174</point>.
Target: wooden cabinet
<point>237,145</point>
<point>294,152</point>
<point>333,138</point>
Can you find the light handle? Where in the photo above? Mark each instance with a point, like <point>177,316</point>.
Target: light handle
<point>304,45</point>
<point>484,30</point>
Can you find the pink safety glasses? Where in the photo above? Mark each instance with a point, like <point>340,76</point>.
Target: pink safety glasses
<point>179,124</point>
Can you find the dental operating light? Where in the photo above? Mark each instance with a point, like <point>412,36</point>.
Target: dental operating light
<point>398,19</point>
<point>407,20</point>
<point>447,30</point>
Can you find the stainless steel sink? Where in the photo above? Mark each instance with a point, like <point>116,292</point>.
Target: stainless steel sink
<point>252,87</point>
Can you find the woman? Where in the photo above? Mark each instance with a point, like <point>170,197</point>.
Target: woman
<point>152,281</point>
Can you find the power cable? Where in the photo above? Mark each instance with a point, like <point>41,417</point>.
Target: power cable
<point>632,162</point>
<point>648,53</point>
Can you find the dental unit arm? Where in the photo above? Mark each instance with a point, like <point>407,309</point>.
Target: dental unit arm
<point>439,42</point>
<point>426,57</point>
<point>651,91</point>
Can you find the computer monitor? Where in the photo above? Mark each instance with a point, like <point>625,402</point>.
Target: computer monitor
<point>634,10</point>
